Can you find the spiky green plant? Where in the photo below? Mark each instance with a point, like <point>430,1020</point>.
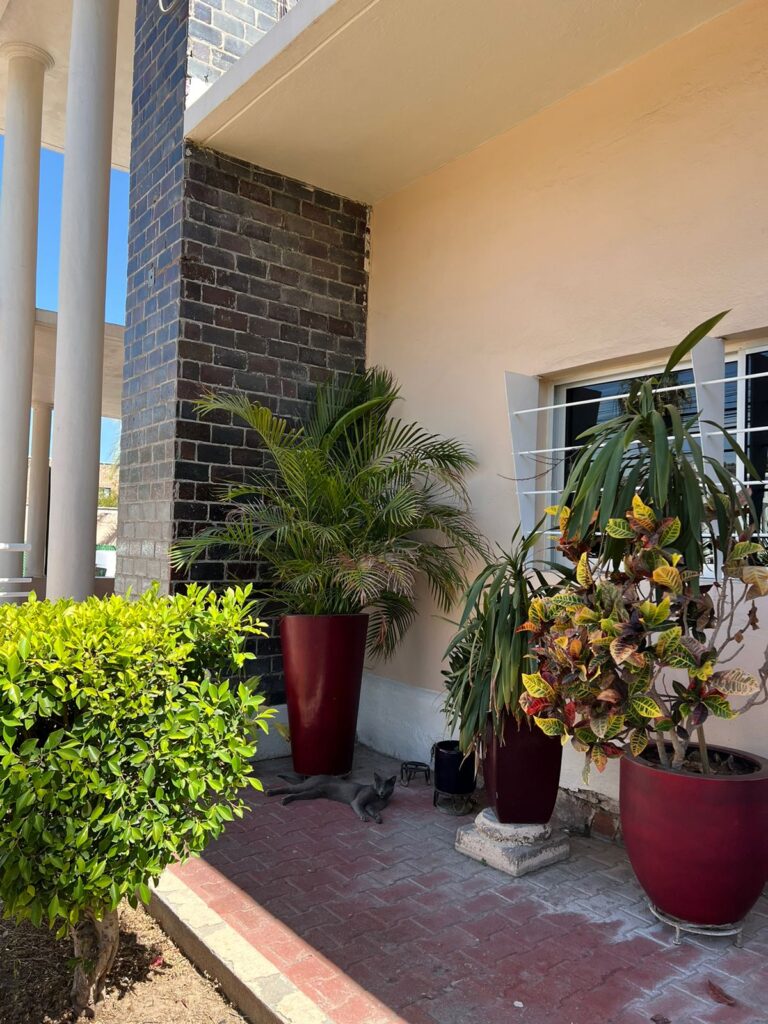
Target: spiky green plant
<point>354,507</point>
<point>651,450</point>
<point>488,653</point>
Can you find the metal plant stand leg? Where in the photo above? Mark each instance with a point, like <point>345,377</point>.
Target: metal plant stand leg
<point>736,929</point>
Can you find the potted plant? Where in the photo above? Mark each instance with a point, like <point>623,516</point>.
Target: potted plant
<point>486,661</point>
<point>352,510</point>
<point>635,655</point>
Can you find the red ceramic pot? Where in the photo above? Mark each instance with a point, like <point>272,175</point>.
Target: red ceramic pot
<point>323,659</point>
<point>698,844</point>
<point>522,774</point>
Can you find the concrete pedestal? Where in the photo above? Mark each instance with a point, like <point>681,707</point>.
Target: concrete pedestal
<point>514,849</point>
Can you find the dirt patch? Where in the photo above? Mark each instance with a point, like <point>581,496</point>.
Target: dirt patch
<point>151,983</point>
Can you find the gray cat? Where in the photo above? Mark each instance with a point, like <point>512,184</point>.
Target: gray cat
<point>365,801</point>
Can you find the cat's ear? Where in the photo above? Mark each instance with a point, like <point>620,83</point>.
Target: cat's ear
<point>391,780</point>
<point>377,779</point>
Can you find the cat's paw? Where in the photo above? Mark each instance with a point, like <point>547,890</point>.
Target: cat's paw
<point>378,819</point>
<point>287,800</point>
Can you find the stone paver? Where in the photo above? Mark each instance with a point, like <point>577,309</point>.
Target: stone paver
<point>380,923</point>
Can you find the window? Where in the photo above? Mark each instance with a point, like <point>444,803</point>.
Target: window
<point>584,404</point>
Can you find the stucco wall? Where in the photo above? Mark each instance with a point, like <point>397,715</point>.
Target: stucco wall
<point>607,225</point>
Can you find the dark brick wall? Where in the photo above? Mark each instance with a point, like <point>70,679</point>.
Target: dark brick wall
<point>147,457</point>
<point>239,278</point>
<point>220,31</point>
<point>273,301</point>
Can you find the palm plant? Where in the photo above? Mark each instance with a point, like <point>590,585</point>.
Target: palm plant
<point>354,508</point>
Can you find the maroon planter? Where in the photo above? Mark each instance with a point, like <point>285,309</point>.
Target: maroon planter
<point>522,775</point>
<point>323,659</point>
<point>698,844</point>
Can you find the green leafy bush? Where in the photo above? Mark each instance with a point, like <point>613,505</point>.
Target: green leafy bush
<point>124,746</point>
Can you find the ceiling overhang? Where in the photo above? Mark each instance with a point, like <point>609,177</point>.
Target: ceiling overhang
<point>362,97</point>
<point>45,363</point>
<point>48,24</point>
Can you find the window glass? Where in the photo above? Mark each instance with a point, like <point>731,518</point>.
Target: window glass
<point>757,440</point>
<point>579,418</point>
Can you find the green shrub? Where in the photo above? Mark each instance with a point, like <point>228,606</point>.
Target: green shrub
<point>124,746</point>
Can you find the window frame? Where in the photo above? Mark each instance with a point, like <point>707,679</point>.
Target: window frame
<point>737,354</point>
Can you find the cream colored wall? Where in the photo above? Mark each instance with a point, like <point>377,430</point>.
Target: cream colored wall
<point>607,225</point>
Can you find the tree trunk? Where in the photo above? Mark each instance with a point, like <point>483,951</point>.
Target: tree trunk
<point>95,943</point>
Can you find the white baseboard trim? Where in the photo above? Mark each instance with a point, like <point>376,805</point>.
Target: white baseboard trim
<point>404,721</point>
<point>400,720</point>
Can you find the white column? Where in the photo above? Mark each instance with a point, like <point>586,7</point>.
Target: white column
<point>82,287</point>
<point>37,515</point>
<point>18,264</point>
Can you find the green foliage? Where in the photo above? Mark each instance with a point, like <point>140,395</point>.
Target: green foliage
<point>651,450</point>
<point>607,648</point>
<point>487,654</point>
<point>124,743</point>
<point>352,510</point>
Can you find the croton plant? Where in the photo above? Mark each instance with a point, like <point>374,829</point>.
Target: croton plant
<point>640,649</point>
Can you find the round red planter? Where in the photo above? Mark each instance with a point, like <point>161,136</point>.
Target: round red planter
<point>698,844</point>
<point>522,775</point>
<point>323,659</point>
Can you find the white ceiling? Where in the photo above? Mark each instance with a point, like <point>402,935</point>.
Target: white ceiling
<point>47,23</point>
<point>364,96</point>
<point>45,363</point>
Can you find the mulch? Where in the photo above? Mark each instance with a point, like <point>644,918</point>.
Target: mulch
<point>151,983</point>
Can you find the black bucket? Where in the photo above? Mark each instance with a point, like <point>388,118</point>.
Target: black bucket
<point>454,773</point>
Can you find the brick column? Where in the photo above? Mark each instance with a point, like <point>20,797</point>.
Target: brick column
<point>239,278</point>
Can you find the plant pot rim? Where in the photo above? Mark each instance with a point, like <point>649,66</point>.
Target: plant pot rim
<point>756,776</point>
<point>351,615</point>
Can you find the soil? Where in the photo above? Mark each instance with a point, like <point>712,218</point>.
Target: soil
<point>151,982</point>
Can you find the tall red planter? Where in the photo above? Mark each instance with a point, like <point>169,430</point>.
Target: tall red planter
<point>522,774</point>
<point>698,844</point>
<point>323,658</point>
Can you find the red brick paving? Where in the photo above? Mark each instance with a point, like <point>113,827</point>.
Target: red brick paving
<point>388,923</point>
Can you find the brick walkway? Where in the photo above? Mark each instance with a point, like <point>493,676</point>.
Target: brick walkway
<point>385,923</point>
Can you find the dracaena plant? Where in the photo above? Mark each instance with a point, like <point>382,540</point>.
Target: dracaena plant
<point>637,653</point>
<point>487,653</point>
<point>351,511</point>
<point>650,449</point>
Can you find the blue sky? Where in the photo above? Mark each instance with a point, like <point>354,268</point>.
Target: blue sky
<point>51,170</point>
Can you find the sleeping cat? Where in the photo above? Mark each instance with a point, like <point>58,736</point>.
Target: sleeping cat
<point>365,801</point>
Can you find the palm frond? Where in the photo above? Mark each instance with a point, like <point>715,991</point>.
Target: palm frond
<point>352,511</point>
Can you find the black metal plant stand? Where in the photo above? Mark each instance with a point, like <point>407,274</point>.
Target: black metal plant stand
<point>409,770</point>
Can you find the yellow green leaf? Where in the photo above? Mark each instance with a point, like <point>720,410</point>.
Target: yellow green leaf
<point>668,576</point>
<point>646,707</point>
<point>583,574</point>
<point>619,529</point>
<point>654,614</point>
<point>642,513</point>
<point>669,532</point>
<point>638,742</point>
<point>550,726</point>
<point>537,686</point>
